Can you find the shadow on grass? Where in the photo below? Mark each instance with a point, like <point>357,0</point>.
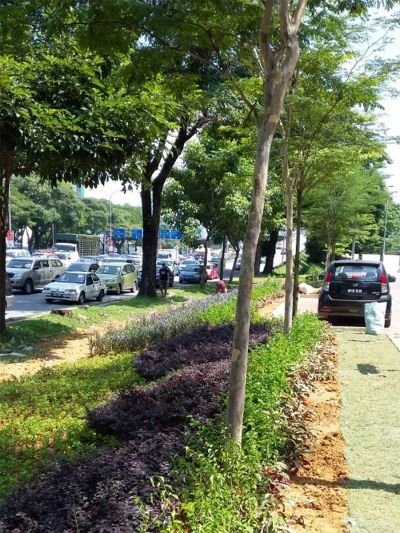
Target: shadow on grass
<point>348,484</point>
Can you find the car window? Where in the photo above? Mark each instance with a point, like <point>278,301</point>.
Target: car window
<point>95,278</point>
<point>357,272</point>
<point>20,263</point>
<point>44,263</point>
<point>72,277</point>
<point>109,269</point>
<point>89,280</point>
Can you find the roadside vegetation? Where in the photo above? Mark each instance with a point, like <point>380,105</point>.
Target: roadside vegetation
<point>122,452</point>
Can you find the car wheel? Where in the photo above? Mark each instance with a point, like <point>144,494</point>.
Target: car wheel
<point>388,321</point>
<point>100,296</point>
<point>82,298</point>
<point>28,287</point>
<point>49,300</point>
<point>118,289</point>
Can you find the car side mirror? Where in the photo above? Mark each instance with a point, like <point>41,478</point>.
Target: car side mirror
<point>391,279</point>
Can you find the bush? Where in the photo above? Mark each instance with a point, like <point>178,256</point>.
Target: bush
<point>204,344</point>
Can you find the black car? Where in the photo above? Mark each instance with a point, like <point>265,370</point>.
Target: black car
<point>348,285</point>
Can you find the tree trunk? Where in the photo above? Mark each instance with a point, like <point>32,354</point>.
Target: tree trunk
<point>237,383</point>
<point>278,73</point>
<point>5,177</point>
<point>296,264</point>
<point>237,251</point>
<point>151,206</point>
<point>205,261</point>
<point>289,259</point>
<point>270,248</point>
<point>257,260</point>
<point>221,266</point>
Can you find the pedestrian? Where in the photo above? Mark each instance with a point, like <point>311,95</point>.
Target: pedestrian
<point>163,279</point>
<point>221,287</point>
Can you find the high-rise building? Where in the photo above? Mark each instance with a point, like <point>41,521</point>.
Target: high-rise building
<point>80,191</point>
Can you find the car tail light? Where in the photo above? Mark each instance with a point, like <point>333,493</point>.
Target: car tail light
<point>384,283</point>
<point>328,277</point>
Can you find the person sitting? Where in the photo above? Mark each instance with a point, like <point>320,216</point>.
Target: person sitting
<point>220,287</point>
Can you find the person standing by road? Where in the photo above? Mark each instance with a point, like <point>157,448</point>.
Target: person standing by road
<point>163,279</point>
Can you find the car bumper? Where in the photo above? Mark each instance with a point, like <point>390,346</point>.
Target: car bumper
<point>351,308</point>
<point>17,283</point>
<point>189,280</point>
<point>67,297</point>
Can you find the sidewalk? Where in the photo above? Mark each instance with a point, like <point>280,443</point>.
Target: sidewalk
<point>369,372</point>
<point>369,375</point>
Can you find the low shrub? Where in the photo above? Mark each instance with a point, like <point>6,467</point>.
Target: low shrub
<point>203,344</point>
<point>140,332</point>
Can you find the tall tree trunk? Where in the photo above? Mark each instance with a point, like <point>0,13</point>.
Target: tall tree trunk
<point>151,210</point>
<point>296,263</point>
<point>278,67</point>
<point>257,260</point>
<point>221,265</point>
<point>237,382</point>
<point>205,261</point>
<point>270,248</point>
<point>5,177</point>
<point>237,251</point>
<point>289,253</point>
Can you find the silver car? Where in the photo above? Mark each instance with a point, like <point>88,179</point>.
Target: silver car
<point>30,273</point>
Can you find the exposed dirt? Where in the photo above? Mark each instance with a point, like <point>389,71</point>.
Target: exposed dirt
<point>317,500</point>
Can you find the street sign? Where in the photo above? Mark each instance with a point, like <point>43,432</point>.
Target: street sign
<point>137,233</point>
<point>164,234</point>
<point>176,234</point>
<point>119,233</point>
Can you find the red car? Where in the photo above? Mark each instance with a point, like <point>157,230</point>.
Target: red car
<point>212,271</point>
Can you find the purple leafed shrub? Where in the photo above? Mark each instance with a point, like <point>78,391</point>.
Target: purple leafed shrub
<point>99,494</point>
<point>202,345</point>
<point>193,391</point>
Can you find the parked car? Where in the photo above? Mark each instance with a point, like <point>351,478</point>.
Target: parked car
<point>212,271</point>
<point>83,266</point>
<point>349,284</point>
<point>119,276</point>
<point>158,266</point>
<point>9,292</point>
<point>188,262</point>
<point>75,287</point>
<point>17,252</point>
<point>65,258</point>
<point>117,259</point>
<point>33,273</point>
<point>172,265</point>
<point>238,264</point>
<point>191,274</point>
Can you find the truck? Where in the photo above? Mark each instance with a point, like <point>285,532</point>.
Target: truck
<point>76,244</point>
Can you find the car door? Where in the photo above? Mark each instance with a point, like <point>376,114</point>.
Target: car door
<point>41,275</point>
<point>97,285</point>
<point>127,276</point>
<point>90,287</point>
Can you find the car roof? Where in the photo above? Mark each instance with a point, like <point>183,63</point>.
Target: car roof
<point>356,262</point>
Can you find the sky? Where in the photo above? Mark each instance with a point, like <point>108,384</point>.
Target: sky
<point>389,117</point>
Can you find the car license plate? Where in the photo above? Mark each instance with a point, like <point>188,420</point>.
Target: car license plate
<point>57,295</point>
<point>354,291</point>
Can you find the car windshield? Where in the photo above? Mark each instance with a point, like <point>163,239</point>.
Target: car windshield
<point>109,269</point>
<point>71,277</point>
<point>79,267</point>
<point>62,256</point>
<point>20,263</point>
<point>192,268</point>
<point>356,271</point>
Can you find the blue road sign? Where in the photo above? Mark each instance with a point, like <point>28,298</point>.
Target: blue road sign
<point>176,234</point>
<point>119,233</point>
<point>164,234</point>
<point>137,233</point>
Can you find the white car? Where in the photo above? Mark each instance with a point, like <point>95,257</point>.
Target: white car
<point>75,287</point>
